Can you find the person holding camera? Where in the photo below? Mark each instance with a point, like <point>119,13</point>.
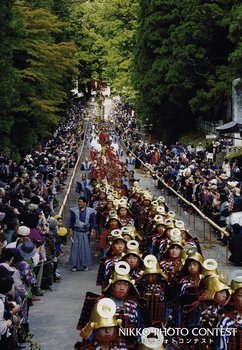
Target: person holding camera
<point>8,312</point>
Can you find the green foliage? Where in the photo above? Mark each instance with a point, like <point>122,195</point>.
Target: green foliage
<point>37,68</point>
<point>8,82</point>
<point>104,32</point>
<point>187,54</point>
<point>193,137</point>
<point>44,64</point>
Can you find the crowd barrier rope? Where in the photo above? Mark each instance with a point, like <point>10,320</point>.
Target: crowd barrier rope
<point>65,202</point>
<point>206,219</point>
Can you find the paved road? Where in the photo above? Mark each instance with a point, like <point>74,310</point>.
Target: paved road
<point>53,319</point>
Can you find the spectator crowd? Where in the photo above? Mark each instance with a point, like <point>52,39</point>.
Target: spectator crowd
<point>31,231</point>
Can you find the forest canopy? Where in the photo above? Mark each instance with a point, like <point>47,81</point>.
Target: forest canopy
<point>173,60</point>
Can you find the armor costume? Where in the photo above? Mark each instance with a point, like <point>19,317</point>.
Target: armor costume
<point>232,318</point>
<point>212,308</point>
<point>132,252</point>
<point>191,285</point>
<point>152,287</point>
<point>129,309</point>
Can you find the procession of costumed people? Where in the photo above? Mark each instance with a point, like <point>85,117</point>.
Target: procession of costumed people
<point>152,273</point>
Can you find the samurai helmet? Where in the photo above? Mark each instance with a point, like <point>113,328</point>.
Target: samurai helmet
<point>210,268</point>
<point>180,224</point>
<point>161,210</point>
<point>171,214</point>
<point>102,315</point>
<point>161,199</point>
<point>121,273</point>
<point>154,204</point>
<point>190,253</point>
<point>158,220</point>
<point>236,282</point>
<point>123,203</point>
<point>113,215</point>
<point>147,196</point>
<point>151,265</point>
<point>175,239</point>
<point>116,234</point>
<point>169,223</point>
<point>214,284</point>
<point>133,248</point>
<point>151,339</point>
<point>129,230</point>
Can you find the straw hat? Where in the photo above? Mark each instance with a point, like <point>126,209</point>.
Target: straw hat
<point>223,176</point>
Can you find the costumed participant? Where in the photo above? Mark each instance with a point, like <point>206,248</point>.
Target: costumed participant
<point>124,213</point>
<point>89,189</point>
<point>112,223</point>
<point>122,291</point>
<point>172,257</point>
<point>142,211</point>
<point>187,238</point>
<point>152,287</point>
<point>129,233</point>
<point>125,179</point>
<point>163,241</point>
<point>86,167</point>
<point>94,194</point>
<point>81,225</point>
<point>135,196</point>
<point>81,185</point>
<point>114,254</point>
<point>232,318</point>
<point>155,209</point>
<point>172,264</point>
<point>130,162</point>
<point>190,282</point>
<point>102,331</point>
<point>104,136</point>
<point>99,205</point>
<point>133,257</point>
<point>8,314</point>
<point>213,300</point>
<point>157,235</point>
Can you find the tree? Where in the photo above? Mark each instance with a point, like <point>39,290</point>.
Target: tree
<point>8,82</point>
<point>105,37</point>
<point>44,64</point>
<point>182,66</point>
